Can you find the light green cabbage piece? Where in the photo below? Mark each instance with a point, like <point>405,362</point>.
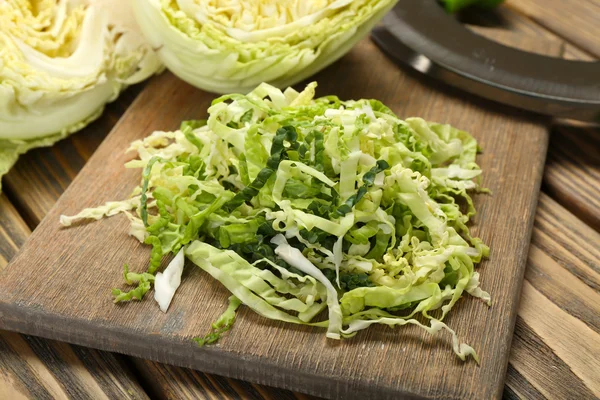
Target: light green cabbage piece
<point>60,63</point>
<point>245,282</point>
<point>107,210</point>
<point>233,45</point>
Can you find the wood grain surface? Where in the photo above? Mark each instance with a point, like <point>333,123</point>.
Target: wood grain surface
<point>556,346</point>
<point>511,27</point>
<point>13,231</point>
<point>169,382</point>
<point>36,368</point>
<point>572,173</point>
<point>35,184</point>
<point>575,21</point>
<point>63,310</point>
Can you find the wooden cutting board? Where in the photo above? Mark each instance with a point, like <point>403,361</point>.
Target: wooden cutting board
<point>58,286</point>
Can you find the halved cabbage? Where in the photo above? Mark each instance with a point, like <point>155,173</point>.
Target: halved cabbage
<point>228,46</point>
<point>60,63</point>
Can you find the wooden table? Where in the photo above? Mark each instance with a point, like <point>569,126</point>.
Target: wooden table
<point>556,346</point>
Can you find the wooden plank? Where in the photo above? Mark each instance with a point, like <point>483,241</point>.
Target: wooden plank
<point>319,368</point>
<point>37,368</point>
<point>562,331</point>
<point>574,53</point>
<point>546,46</point>
<point>556,347</point>
<point>570,242</point>
<point>513,29</point>
<point>169,382</point>
<point>13,231</point>
<point>572,173</point>
<point>548,376</point>
<point>576,21</point>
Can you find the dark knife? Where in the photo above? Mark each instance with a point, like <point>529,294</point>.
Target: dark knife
<point>420,33</point>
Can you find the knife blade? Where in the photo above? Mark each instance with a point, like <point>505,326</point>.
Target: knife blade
<point>421,35</point>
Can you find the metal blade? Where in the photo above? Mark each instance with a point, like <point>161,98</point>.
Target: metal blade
<point>419,33</point>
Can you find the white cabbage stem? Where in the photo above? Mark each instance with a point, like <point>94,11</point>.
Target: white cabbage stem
<point>167,282</point>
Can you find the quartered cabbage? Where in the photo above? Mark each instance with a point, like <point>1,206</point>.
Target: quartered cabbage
<point>226,46</point>
<point>60,63</point>
<point>300,205</point>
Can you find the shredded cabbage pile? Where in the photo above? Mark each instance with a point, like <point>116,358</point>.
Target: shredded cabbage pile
<point>300,205</point>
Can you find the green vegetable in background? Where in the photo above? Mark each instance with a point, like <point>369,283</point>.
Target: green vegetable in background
<point>60,63</point>
<point>456,5</point>
<point>222,324</point>
<point>299,205</point>
<point>232,46</point>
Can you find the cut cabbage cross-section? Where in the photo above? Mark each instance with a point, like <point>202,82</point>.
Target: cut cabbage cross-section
<point>233,45</point>
<point>60,63</point>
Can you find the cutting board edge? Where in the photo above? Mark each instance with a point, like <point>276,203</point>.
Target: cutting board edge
<point>523,261</point>
<point>39,323</point>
